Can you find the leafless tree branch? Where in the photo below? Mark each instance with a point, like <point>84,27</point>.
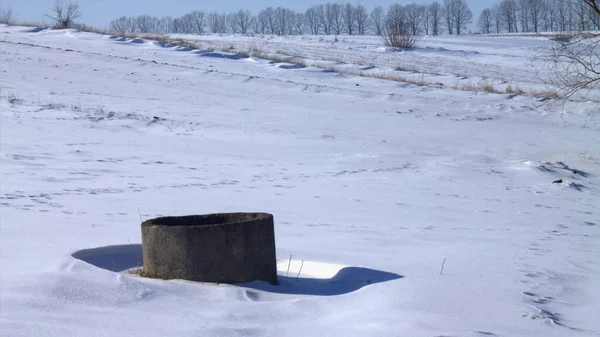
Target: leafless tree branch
<point>65,13</point>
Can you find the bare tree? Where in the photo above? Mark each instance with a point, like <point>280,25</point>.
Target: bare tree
<point>65,13</point>
<point>337,22</point>
<point>145,24</point>
<point>270,19</point>
<point>123,25</point>
<point>462,15</point>
<point>156,25</point>
<point>326,17</point>
<point>194,22</point>
<point>594,6</point>
<point>575,62</point>
<point>562,14</point>
<point>523,11</point>
<point>167,24</point>
<point>580,14</point>
<point>213,22</point>
<point>164,25</point>
<point>536,8</point>
<point>485,21</point>
<point>182,24</point>
<point>361,17</point>
<point>255,25</point>
<point>396,30</point>
<point>242,21</point>
<point>299,24</point>
<point>331,19</point>
<point>496,17</point>
<point>435,18</point>
<point>284,21</point>
<point>6,16</point>
<point>413,18</point>
<point>263,22</point>
<point>217,23</point>
<point>290,26</point>
<point>222,23</point>
<point>313,23</point>
<point>348,18</point>
<point>507,12</point>
<point>232,23</point>
<point>586,14</point>
<point>549,15</point>
<point>572,18</point>
<point>448,15</point>
<point>425,18</point>
<point>594,15</point>
<point>377,19</point>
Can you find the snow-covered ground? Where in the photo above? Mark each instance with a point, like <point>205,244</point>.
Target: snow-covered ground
<point>450,61</point>
<point>373,184</point>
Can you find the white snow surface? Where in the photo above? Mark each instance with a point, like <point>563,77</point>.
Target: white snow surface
<point>373,185</point>
<point>443,61</point>
<point>452,58</point>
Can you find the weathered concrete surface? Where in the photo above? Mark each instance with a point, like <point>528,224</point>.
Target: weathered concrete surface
<point>219,248</point>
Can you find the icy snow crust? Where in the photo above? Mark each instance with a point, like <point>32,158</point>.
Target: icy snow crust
<point>373,185</point>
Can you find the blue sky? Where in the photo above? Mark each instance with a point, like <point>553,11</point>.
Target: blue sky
<point>99,12</point>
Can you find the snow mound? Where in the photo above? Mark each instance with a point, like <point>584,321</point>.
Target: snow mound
<point>296,277</point>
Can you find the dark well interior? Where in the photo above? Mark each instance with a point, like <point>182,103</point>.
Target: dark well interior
<point>206,220</point>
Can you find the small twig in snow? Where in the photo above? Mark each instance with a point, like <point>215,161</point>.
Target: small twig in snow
<point>289,264</point>
<point>140,214</point>
<point>299,271</point>
<point>441,271</point>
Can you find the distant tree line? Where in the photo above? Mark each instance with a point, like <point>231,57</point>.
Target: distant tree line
<point>451,16</point>
<point>436,18</point>
<point>518,16</point>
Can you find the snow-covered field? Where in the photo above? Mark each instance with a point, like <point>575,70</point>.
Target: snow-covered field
<point>373,185</point>
<point>446,61</point>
